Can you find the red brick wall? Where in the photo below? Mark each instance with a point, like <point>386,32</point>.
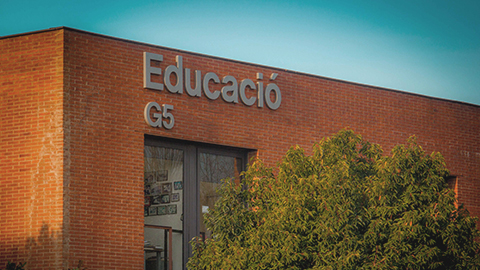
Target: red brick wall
<point>31,150</point>
<point>107,99</point>
<point>105,153</point>
<point>104,134</point>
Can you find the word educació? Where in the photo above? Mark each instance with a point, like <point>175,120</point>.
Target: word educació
<point>231,92</point>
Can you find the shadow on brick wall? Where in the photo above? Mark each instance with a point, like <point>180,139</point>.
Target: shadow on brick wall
<point>45,250</point>
<point>41,252</point>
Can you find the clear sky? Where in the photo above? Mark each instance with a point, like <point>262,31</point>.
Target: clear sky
<point>426,47</point>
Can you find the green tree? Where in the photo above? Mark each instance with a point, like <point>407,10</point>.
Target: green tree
<point>344,207</point>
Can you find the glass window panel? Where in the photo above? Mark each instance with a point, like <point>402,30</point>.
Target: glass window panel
<point>212,170</point>
<point>163,191</point>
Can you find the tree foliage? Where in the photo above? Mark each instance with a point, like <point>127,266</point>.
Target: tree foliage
<point>344,207</point>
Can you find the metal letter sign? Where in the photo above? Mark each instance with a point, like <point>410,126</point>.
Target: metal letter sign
<point>230,92</point>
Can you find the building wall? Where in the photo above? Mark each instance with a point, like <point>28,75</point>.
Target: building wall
<point>105,153</point>
<point>104,128</point>
<point>31,149</point>
<point>107,99</point>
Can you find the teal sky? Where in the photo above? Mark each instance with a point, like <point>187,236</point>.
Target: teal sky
<point>426,47</point>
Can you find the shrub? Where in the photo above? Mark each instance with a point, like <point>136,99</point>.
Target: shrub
<point>344,207</point>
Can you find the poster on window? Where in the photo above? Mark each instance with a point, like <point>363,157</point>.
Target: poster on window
<point>155,183</point>
<point>162,176</point>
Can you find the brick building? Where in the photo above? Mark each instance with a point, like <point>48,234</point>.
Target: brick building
<point>88,139</point>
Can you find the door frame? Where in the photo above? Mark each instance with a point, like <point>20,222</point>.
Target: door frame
<point>191,185</point>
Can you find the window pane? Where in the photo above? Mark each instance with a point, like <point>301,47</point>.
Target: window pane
<point>163,202</point>
<point>212,170</point>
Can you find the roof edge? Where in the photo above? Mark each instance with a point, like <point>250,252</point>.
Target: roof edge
<point>239,62</point>
<point>35,32</point>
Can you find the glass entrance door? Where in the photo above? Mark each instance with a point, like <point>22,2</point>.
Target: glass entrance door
<point>163,193</point>
<point>181,180</point>
<point>212,169</point>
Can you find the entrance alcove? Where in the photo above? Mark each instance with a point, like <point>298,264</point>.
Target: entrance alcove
<point>181,179</point>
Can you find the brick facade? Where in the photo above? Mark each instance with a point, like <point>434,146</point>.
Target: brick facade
<point>31,149</point>
<point>72,137</point>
